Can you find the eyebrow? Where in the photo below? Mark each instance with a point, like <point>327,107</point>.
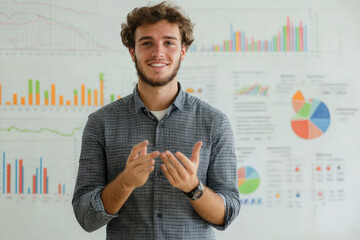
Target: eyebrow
<point>164,37</point>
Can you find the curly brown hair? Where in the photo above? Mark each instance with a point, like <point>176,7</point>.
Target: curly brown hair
<point>153,14</point>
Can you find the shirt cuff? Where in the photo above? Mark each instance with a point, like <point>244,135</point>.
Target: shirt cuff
<point>98,205</point>
<point>223,200</point>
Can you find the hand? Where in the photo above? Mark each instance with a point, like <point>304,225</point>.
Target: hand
<point>182,176</point>
<point>139,165</point>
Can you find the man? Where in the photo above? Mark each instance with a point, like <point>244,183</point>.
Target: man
<point>159,163</point>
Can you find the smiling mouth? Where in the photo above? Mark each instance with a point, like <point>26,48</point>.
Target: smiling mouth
<point>157,64</point>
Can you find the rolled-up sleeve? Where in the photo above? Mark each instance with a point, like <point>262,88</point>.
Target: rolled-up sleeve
<point>91,179</point>
<point>222,172</point>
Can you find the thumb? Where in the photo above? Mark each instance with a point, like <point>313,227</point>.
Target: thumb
<point>196,152</point>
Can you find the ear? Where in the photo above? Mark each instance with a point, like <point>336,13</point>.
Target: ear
<point>183,52</point>
<point>132,53</point>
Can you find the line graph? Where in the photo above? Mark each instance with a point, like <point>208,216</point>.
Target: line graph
<point>53,6</point>
<point>42,130</point>
<point>47,33</point>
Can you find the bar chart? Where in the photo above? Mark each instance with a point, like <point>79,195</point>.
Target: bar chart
<point>289,38</point>
<point>38,182</point>
<point>82,96</point>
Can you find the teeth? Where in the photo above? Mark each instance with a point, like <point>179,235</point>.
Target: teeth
<point>157,64</point>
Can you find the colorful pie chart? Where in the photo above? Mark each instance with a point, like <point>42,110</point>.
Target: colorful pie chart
<point>248,180</point>
<point>312,117</point>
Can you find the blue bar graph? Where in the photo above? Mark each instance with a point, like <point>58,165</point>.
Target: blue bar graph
<point>13,178</point>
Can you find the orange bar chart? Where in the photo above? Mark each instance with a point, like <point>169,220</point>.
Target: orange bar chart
<point>83,95</point>
<point>46,101</point>
<point>45,181</point>
<point>61,100</point>
<point>8,186</point>
<point>15,99</point>
<point>21,176</point>
<point>37,93</point>
<point>34,184</point>
<point>76,98</point>
<point>30,92</point>
<point>35,96</point>
<point>89,97</point>
<point>53,96</point>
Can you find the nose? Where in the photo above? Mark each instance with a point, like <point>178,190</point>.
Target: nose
<point>157,51</point>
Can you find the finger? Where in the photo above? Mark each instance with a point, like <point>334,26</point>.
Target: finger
<point>164,159</point>
<point>188,165</point>
<point>141,160</point>
<point>169,166</point>
<point>137,148</point>
<point>143,151</point>
<point>195,156</point>
<point>177,165</point>
<point>167,174</point>
<point>146,168</point>
<point>145,164</point>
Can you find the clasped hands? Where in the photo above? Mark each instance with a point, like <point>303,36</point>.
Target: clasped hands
<point>180,171</point>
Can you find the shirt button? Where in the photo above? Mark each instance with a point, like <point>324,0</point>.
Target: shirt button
<point>159,215</point>
<point>158,174</point>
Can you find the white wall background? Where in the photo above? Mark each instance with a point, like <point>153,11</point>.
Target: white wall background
<point>309,188</point>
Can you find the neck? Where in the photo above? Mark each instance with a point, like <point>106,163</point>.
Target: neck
<point>158,98</point>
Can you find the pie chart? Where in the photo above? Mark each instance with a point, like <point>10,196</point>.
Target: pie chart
<point>312,117</point>
<point>248,180</point>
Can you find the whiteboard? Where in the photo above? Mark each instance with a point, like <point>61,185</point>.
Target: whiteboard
<point>285,73</point>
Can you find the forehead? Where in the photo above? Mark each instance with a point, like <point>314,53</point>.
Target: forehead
<point>159,29</point>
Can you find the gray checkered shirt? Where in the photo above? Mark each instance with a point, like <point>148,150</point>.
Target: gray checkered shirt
<point>155,210</point>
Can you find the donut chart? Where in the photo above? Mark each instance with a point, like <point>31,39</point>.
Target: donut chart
<point>248,180</point>
<point>312,118</point>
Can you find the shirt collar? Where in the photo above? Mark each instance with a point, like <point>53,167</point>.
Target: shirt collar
<point>178,102</point>
<point>138,103</point>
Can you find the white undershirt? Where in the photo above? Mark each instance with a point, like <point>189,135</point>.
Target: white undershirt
<point>160,114</point>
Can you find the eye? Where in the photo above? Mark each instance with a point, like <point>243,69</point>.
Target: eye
<point>145,43</point>
<point>169,43</point>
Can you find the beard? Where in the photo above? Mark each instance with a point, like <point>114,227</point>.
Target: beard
<point>156,82</point>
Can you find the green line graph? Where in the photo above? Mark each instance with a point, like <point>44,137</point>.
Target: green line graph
<point>41,130</point>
